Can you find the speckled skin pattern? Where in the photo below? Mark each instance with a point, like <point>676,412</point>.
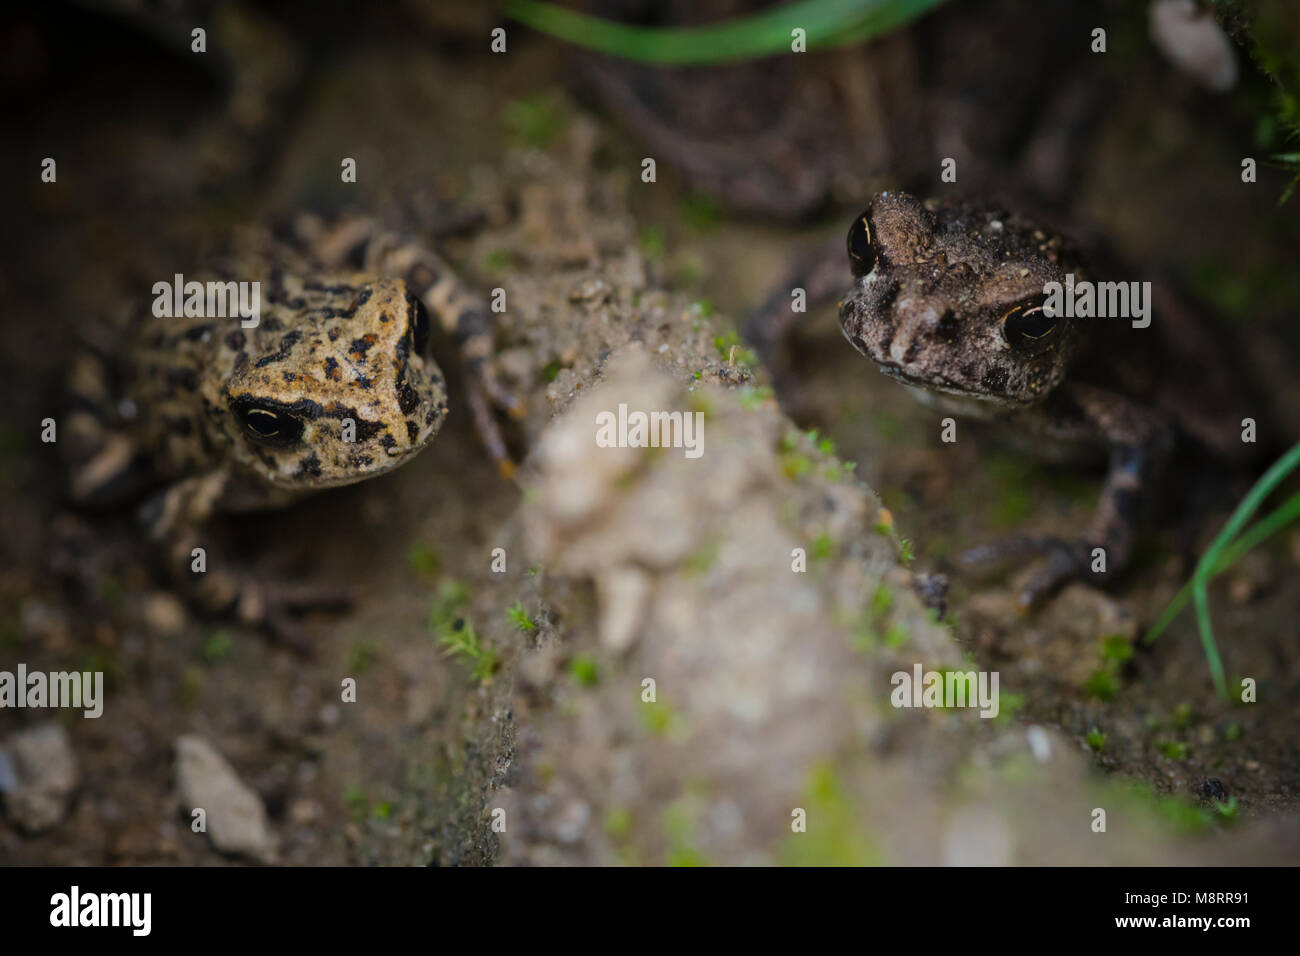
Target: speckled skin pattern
<point>947,299</point>
<point>191,416</point>
<point>930,307</point>
<point>328,349</point>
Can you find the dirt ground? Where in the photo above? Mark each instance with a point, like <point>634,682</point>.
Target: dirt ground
<point>598,265</point>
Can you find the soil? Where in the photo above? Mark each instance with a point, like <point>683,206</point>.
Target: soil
<point>774,688</point>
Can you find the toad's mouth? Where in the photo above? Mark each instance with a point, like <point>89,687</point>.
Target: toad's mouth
<point>946,386</point>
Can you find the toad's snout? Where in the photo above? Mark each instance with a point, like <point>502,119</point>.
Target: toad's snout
<point>917,324</point>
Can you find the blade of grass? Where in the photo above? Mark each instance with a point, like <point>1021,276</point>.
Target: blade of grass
<point>1201,599</point>
<point>763,34</point>
<point>1209,563</point>
<point>1260,531</point>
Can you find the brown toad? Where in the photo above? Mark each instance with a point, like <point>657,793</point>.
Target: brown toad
<point>328,383</point>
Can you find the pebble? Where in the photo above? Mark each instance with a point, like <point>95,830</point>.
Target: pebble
<point>236,817</point>
<point>38,773</point>
<point>1191,40</point>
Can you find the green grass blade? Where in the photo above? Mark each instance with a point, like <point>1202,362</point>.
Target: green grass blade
<point>1254,498</point>
<point>763,34</point>
<point>1260,531</point>
<point>1202,601</point>
<point>1217,555</point>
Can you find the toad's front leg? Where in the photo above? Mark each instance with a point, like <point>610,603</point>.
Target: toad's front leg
<point>1140,440</point>
<point>179,520</point>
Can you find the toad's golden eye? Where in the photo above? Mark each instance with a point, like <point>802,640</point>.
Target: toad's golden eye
<point>862,246</point>
<point>1029,325</point>
<point>265,424</point>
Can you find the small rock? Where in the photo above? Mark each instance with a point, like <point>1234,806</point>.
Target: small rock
<point>1190,39</point>
<point>164,614</point>
<point>38,772</point>
<point>591,290</point>
<point>1040,745</point>
<point>236,818</point>
<point>623,593</point>
<point>304,811</point>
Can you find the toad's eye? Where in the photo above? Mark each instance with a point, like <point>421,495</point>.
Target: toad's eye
<point>265,424</point>
<point>419,328</point>
<point>862,245</point>
<point>1029,325</point>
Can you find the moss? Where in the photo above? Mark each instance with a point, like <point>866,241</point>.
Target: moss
<point>678,821</point>
<point>653,243</point>
<point>700,213</point>
<point>658,718</point>
<point>520,618</point>
<point>361,655</point>
<point>423,558</point>
<point>1116,649</point>
<point>699,563</point>
<point>1172,749</point>
<point>356,802</point>
<point>496,260</point>
<point>1008,706</point>
<point>873,622</point>
<point>1102,684</point>
<point>583,670</point>
<point>1013,479</point>
<point>462,642</point>
<point>217,646</point>
<point>1184,816</point>
<point>618,822</point>
<point>731,350</point>
<point>1226,811</point>
<point>689,273</point>
<point>448,603</point>
<point>1096,740</point>
<point>824,445</point>
<point>795,466</point>
<point>835,833</point>
<point>456,634</point>
<point>534,122</point>
<point>882,600</point>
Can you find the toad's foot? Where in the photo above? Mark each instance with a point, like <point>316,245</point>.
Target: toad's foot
<point>1065,561</point>
<point>273,606</point>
